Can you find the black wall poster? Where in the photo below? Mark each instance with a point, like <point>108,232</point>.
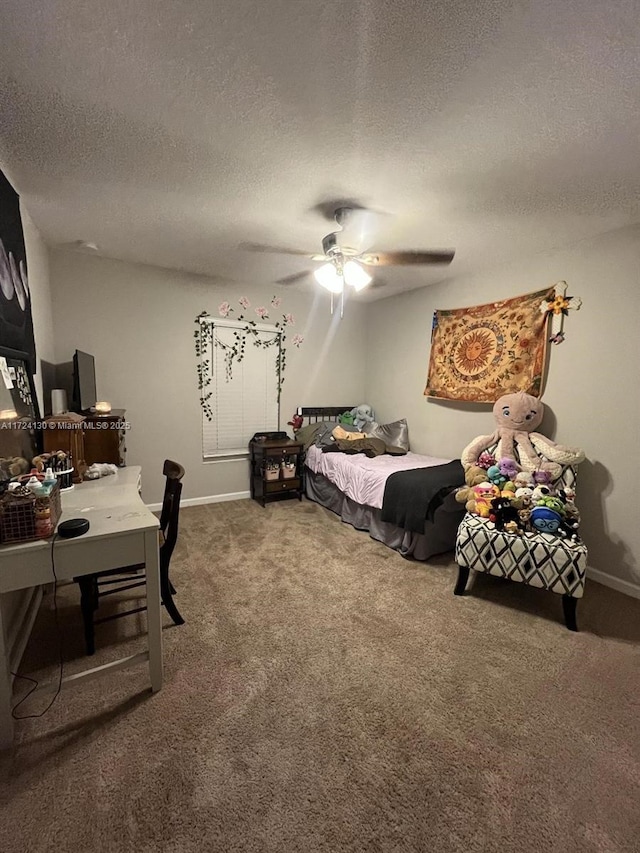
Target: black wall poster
<point>16,322</point>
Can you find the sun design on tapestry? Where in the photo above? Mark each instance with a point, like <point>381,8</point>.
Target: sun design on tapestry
<point>481,352</point>
<point>475,352</point>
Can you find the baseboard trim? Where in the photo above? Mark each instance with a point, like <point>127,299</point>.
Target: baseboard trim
<point>207,499</point>
<point>618,584</point>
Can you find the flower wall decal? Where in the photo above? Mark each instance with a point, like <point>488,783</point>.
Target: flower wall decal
<point>205,337</point>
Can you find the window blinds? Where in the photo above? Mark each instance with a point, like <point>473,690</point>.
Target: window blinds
<point>247,401</point>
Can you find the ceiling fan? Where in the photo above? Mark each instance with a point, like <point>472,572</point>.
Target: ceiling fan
<point>346,253</point>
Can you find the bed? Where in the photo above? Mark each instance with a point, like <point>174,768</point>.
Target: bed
<point>353,486</point>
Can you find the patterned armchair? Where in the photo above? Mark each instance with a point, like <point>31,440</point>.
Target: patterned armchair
<point>538,559</point>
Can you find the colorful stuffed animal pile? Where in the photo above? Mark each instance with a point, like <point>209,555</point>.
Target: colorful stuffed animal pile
<point>510,474</point>
<point>525,502</point>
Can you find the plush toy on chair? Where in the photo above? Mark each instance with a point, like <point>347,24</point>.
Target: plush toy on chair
<point>552,560</point>
<point>517,416</point>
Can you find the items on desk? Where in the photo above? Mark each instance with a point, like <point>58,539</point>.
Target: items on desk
<point>61,465</point>
<point>39,484</point>
<point>34,485</point>
<point>100,469</point>
<point>12,466</point>
<point>59,405</point>
<point>29,510</point>
<point>50,479</point>
<point>73,527</point>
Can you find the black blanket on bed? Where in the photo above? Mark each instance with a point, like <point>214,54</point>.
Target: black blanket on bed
<point>411,497</point>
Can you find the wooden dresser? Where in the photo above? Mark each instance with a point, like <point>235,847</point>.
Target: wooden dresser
<point>105,438</point>
<point>100,438</point>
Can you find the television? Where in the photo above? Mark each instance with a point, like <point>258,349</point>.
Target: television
<point>84,381</point>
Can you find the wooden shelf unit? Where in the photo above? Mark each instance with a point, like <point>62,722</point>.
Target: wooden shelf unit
<point>269,459</point>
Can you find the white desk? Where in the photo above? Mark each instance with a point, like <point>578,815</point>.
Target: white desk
<point>123,532</point>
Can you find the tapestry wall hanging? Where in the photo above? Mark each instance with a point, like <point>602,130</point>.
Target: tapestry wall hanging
<point>480,353</point>
<point>16,322</point>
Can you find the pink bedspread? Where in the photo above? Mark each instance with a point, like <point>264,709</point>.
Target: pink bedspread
<point>360,478</point>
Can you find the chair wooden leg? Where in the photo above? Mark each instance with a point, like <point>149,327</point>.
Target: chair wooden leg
<point>87,606</point>
<point>569,604</point>
<point>463,577</point>
<point>167,598</point>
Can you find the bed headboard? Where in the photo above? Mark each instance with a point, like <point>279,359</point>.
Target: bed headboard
<point>322,413</point>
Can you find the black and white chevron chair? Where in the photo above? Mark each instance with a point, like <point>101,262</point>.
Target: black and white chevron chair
<point>538,559</point>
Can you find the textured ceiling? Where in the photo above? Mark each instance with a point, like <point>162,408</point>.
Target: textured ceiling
<point>169,132</point>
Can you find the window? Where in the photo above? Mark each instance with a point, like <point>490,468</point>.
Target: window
<point>243,371</point>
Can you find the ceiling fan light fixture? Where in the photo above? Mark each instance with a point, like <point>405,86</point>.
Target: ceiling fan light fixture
<point>355,276</point>
<point>329,277</point>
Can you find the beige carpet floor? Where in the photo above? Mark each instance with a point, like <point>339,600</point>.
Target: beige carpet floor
<point>327,695</point>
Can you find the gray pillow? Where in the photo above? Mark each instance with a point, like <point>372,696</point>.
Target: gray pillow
<point>395,434</point>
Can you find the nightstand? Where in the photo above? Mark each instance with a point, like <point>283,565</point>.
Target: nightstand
<point>276,467</point>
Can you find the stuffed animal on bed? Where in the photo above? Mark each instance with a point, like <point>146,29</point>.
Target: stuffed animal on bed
<point>341,434</point>
<point>362,414</point>
<point>517,416</point>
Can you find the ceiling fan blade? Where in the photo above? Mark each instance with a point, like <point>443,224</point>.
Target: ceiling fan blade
<point>389,259</point>
<point>277,250</point>
<point>288,280</point>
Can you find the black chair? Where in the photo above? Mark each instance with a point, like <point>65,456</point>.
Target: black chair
<point>96,586</point>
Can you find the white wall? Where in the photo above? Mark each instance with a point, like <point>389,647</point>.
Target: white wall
<point>137,321</point>
<point>592,389</point>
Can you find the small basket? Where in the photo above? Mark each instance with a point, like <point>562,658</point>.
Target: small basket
<point>24,518</point>
<point>272,473</point>
<point>288,470</point>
